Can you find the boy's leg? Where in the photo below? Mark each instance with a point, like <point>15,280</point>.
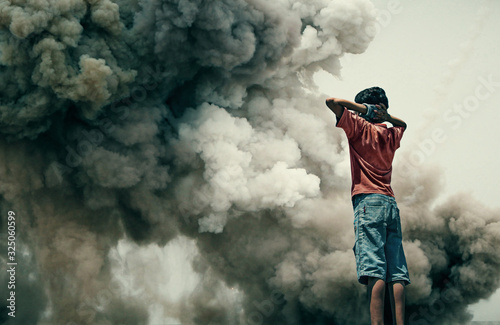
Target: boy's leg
<point>376,296</point>
<point>397,269</point>
<point>397,297</point>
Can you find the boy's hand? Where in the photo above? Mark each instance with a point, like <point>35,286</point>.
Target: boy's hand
<point>381,114</point>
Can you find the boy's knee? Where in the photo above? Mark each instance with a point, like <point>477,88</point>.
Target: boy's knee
<point>375,285</point>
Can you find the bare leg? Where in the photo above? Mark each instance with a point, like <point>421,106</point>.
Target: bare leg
<point>376,296</point>
<point>397,297</point>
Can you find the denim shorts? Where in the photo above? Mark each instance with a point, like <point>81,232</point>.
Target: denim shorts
<point>378,246</point>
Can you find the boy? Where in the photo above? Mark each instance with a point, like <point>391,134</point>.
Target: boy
<point>380,258</point>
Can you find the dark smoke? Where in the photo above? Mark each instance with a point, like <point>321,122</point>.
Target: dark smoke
<point>171,162</point>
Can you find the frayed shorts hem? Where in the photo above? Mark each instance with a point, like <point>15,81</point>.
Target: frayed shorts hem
<point>363,278</point>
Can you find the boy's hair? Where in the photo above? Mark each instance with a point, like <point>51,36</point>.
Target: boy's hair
<point>373,95</point>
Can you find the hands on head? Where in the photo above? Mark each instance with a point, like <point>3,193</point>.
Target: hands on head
<point>381,114</point>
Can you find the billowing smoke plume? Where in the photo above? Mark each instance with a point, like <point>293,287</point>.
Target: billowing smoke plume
<point>141,138</point>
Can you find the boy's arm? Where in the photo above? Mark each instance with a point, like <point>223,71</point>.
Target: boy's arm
<point>337,105</point>
<point>396,121</point>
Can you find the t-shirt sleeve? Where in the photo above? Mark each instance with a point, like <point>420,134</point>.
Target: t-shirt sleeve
<point>397,134</point>
<point>351,124</point>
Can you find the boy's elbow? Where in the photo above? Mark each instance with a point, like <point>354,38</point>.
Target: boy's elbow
<point>334,106</point>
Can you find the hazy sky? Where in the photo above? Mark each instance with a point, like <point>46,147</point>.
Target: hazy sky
<point>439,64</point>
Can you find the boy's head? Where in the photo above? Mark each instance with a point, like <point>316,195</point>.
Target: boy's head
<point>373,95</point>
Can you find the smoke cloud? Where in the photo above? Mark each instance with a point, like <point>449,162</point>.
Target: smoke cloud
<point>170,162</point>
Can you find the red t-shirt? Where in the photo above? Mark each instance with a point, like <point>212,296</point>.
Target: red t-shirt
<point>372,148</point>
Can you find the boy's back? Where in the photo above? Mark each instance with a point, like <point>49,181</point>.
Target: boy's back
<point>372,148</point>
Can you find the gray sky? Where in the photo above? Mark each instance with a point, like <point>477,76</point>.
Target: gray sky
<point>438,62</point>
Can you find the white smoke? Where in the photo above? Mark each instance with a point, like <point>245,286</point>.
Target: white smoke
<point>135,132</point>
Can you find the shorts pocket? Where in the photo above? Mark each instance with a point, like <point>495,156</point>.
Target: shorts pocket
<point>374,213</point>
